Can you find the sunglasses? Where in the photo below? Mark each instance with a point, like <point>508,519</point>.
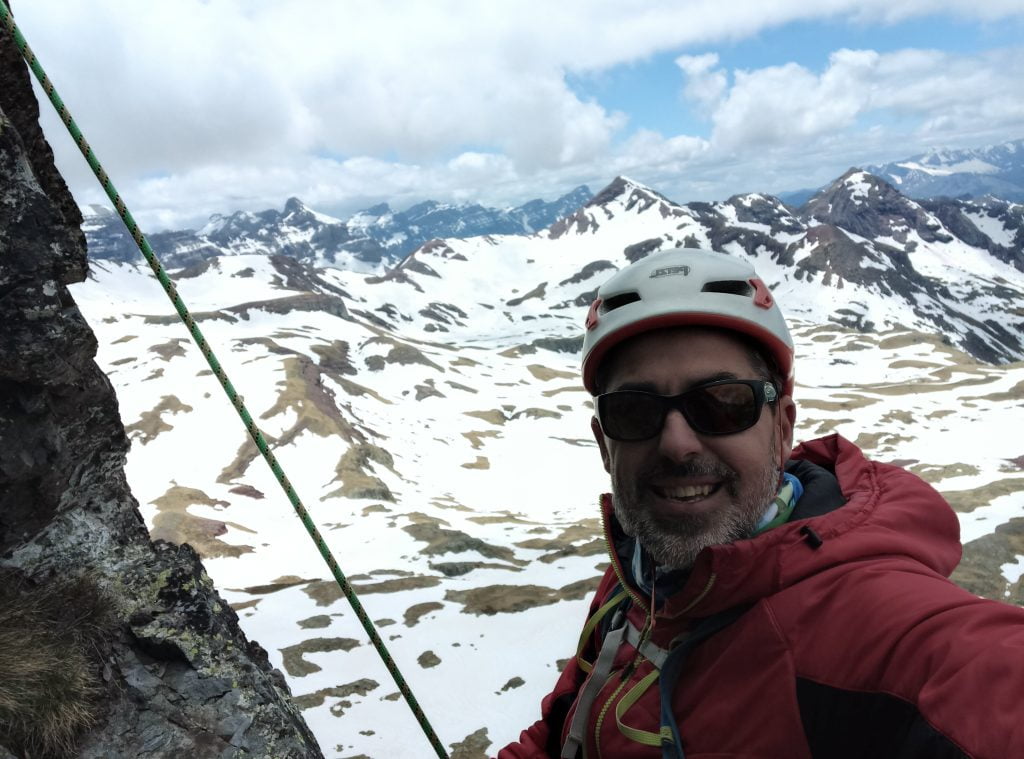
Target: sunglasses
<point>723,407</point>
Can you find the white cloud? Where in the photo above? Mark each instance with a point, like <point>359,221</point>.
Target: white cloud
<point>941,94</point>
<point>198,107</point>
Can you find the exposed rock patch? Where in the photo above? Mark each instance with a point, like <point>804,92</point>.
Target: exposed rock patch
<point>151,423</point>
<point>297,665</point>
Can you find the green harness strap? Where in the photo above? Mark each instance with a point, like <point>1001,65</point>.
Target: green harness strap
<point>236,400</point>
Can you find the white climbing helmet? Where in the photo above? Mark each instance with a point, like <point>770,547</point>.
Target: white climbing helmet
<point>685,287</point>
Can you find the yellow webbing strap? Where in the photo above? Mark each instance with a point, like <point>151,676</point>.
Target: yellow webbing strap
<point>625,704</point>
<point>592,623</point>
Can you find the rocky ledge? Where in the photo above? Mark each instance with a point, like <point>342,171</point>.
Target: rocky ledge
<point>110,644</point>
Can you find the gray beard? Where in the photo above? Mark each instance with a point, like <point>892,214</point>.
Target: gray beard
<point>674,543</point>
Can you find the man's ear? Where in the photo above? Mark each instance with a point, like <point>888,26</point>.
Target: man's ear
<point>787,423</point>
<point>595,427</point>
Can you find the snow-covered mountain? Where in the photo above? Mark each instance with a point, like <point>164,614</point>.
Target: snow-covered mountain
<point>371,238</point>
<point>996,170</point>
<point>432,418</point>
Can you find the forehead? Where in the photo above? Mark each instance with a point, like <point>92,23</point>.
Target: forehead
<point>672,359</point>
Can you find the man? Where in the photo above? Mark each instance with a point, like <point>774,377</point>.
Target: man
<point>762,601</point>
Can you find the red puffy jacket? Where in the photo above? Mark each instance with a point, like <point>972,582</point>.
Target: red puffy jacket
<point>839,636</point>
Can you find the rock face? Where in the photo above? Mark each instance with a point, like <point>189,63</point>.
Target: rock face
<point>164,669</point>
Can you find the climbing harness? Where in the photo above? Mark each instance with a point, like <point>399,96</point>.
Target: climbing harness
<point>667,665</point>
<point>7,19</point>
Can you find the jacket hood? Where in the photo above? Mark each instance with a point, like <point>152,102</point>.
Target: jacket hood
<point>889,514</point>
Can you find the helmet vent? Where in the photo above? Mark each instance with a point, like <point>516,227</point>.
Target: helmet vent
<point>729,287</point>
<point>620,300</point>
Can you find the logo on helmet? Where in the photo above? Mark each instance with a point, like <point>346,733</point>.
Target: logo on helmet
<point>670,270</point>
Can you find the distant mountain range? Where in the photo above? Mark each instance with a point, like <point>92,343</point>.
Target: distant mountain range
<point>371,237</point>
<point>995,170</point>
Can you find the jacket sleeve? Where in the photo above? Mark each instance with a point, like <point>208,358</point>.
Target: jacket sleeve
<point>544,737</point>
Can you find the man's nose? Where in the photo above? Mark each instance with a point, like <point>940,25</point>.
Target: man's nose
<point>678,440</point>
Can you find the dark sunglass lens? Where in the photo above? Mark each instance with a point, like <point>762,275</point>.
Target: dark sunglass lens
<point>722,409</point>
<point>628,415</point>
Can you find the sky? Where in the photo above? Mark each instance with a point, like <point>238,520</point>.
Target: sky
<point>198,107</point>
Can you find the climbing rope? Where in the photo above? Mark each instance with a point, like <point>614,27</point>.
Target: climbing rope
<point>236,400</point>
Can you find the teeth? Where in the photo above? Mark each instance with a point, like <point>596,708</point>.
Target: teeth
<point>690,491</point>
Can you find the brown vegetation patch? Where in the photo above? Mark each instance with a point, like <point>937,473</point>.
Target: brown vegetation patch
<point>403,353</point>
<point>170,349</point>
<point>295,663</point>
<point>120,361</point>
<point>879,440</point>
<point>303,391</point>
<point>417,611</point>
<point>544,374</point>
<point>909,363</point>
<point>506,599</point>
<point>334,358</point>
<point>357,688</point>
<point>449,503</point>
<point>151,423</point>
<point>125,339</point>
<point>474,437</point>
<point>463,361</point>
<point>980,570</point>
<point>935,472</point>
<point>428,659</point>
<point>503,518</point>
<point>155,374</point>
<point>441,541</point>
<point>1013,465</point>
<point>427,390</point>
<point>579,442</point>
<point>493,416</point>
<point>852,401</point>
<point>1015,393</point>
<point>357,391</point>
<point>248,490</point>
<point>246,454</point>
<point>356,481</point>
<point>537,292</point>
<point>564,544</point>
<point>567,389</point>
<point>376,508</point>
<point>942,412</point>
<point>327,592</point>
<point>473,746</point>
<point>175,524</point>
<point>315,622</point>
<point>922,386</point>
<point>285,581</point>
<point>824,426</point>
<point>537,413</point>
<point>967,501</point>
<point>481,462</point>
<point>463,388</point>
<point>51,639</point>
<point>904,417</point>
<point>459,568</point>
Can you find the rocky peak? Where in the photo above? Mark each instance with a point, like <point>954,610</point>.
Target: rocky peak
<point>756,208</point>
<point>868,206</point>
<point>631,195</point>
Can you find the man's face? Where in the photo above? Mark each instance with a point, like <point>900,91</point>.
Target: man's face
<point>682,491</point>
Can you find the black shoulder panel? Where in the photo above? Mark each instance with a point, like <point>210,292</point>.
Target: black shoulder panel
<point>843,724</point>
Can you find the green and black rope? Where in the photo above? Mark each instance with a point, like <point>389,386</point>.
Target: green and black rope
<point>7,19</point>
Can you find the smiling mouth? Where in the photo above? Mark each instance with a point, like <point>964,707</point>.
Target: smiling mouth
<point>687,493</point>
